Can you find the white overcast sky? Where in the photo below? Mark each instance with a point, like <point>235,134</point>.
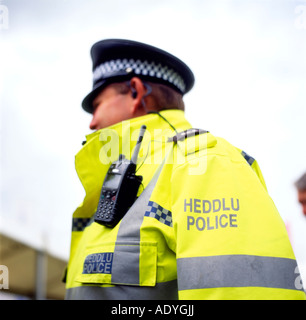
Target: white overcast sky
<point>249,60</point>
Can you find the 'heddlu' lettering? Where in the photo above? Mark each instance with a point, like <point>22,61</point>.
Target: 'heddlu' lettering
<point>207,206</point>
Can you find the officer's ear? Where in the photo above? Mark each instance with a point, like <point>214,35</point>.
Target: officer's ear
<point>138,92</point>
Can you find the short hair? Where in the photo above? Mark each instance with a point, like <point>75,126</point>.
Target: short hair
<point>301,183</point>
<point>163,96</point>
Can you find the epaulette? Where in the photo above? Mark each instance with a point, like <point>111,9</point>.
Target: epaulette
<point>248,158</point>
<point>185,134</point>
<point>190,141</point>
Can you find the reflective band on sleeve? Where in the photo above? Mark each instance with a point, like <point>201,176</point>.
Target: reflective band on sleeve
<point>236,271</point>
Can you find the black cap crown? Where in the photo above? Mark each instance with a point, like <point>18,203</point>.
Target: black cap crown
<point>116,60</point>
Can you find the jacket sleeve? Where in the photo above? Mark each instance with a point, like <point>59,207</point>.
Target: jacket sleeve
<point>231,240</point>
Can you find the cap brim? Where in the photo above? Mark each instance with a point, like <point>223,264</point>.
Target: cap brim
<point>87,103</point>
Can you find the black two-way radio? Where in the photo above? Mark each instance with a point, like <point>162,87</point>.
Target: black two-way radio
<point>119,189</point>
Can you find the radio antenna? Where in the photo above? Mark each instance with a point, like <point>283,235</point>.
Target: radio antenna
<point>137,147</point>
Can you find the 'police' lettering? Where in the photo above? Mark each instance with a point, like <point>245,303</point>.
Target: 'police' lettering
<point>223,213</point>
<point>212,223</point>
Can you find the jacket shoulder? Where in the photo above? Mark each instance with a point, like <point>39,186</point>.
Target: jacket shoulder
<point>193,140</point>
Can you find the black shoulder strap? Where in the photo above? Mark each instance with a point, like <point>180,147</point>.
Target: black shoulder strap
<point>185,134</point>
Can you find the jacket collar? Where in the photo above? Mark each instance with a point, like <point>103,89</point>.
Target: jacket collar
<point>104,146</point>
<point>153,121</point>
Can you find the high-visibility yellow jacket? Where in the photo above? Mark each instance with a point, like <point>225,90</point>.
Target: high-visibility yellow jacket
<point>203,226</point>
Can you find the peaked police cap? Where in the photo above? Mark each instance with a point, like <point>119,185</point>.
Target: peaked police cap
<point>118,60</point>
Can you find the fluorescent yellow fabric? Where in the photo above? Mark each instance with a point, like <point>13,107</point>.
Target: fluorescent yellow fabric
<point>209,226</point>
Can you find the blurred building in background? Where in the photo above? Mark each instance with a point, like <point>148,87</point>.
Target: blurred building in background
<point>32,273</point>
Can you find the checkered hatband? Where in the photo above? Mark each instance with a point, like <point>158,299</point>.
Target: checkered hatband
<point>144,68</point>
<point>154,210</point>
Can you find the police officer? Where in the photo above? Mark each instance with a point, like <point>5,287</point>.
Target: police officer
<point>202,226</point>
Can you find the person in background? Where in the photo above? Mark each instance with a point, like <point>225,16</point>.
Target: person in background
<point>301,189</point>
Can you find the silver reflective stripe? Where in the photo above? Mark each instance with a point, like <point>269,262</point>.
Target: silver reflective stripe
<point>129,231</point>
<point>236,271</point>
<point>126,263</point>
<point>162,291</point>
